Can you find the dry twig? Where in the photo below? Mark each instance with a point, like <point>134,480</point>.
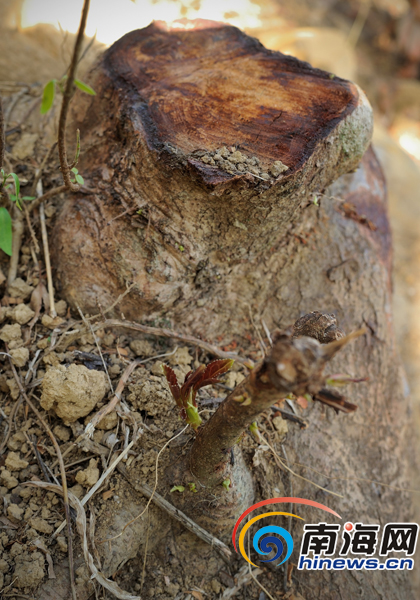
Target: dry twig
<point>168,333</point>
<point>44,235</point>
<point>53,192</point>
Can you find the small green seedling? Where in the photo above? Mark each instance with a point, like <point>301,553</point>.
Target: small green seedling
<point>226,484</point>
<point>192,488</point>
<point>77,178</point>
<point>178,488</point>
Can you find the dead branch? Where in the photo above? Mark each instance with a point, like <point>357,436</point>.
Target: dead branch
<point>50,194</point>
<point>169,333</point>
<point>47,258</point>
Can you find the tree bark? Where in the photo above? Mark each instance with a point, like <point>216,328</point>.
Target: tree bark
<point>206,245</point>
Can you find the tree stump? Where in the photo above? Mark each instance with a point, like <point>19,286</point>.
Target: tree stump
<point>202,146</point>
<point>209,159</point>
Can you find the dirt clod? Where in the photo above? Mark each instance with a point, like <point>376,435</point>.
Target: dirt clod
<point>22,314</point>
<point>62,433</point>
<point>10,333</point>
<point>72,392</point>
<point>141,348</point>
<point>29,570</point>
<point>8,480</point>
<point>15,463</point>
<point>20,356</point>
<point>20,289</point>
<point>40,525</point>
<point>90,475</point>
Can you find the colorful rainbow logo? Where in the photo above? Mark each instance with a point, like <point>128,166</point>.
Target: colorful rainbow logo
<point>279,545</point>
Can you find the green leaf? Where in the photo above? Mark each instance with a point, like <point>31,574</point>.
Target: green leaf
<point>17,183</point>
<point>28,197</point>
<point>74,170</point>
<point>192,487</point>
<point>226,484</point>
<point>84,87</point>
<point>80,179</point>
<point>48,97</point>
<point>5,231</point>
<point>178,488</point>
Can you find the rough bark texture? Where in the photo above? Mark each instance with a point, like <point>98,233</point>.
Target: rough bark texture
<point>208,241</point>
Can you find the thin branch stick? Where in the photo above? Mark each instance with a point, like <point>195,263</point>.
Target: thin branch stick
<point>44,235</point>
<point>143,571</point>
<point>53,192</point>
<point>62,472</point>
<point>168,333</point>
<point>68,92</point>
<point>31,230</point>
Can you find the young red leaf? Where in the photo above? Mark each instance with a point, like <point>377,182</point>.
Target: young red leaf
<point>217,367</point>
<point>173,383</point>
<point>213,370</point>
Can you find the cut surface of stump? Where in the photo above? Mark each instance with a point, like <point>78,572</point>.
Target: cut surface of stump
<point>201,146</point>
